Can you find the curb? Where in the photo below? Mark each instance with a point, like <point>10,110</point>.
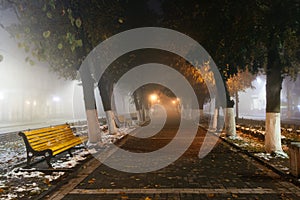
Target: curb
<point>281,173</point>
<point>76,171</point>
<point>64,179</point>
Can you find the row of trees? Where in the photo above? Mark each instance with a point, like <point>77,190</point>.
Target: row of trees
<point>240,36</point>
<point>261,36</point>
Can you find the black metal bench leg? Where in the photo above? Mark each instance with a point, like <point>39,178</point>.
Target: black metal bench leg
<point>48,156</point>
<point>70,153</point>
<point>48,162</point>
<point>29,158</point>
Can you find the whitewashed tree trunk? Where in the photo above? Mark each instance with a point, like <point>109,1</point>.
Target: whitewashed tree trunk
<point>195,113</point>
<point>94,132</point>
<point>138,116</point>
<point>201,114</point>
<point>119,120</point>
<point>273,133</point>
<point>147,114</point>
<point>230,128</point>
<point>112,129</point>
<point>215,120</point>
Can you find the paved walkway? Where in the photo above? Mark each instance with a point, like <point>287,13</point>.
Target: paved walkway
<point>224,173</point>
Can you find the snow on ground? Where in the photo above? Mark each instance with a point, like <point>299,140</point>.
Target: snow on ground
<point>251,139</point>
<point>18,183</point>
<point>12,152</point>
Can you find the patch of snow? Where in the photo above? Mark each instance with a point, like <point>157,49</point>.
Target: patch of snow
<point>9,196</point>
<point>281,154</point>
<point>54,176</point>
<point>265,156</point>
<point>235,138</point>
<point>285,168</point>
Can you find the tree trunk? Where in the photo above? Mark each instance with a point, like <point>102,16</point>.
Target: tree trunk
<point>94,131</point>
<point>145,104</point>
<point>215,119</point>
<point>273,88</point>
<point>201,114</point>
<point>229,118</point>
<point>237,105</point>
<point>137,103</point>
<point>105,87</point>
<point>112,128</point>
<point>230,122</point>
<point>289,100</point>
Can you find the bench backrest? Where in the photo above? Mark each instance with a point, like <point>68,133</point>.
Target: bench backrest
<point>41,139</point>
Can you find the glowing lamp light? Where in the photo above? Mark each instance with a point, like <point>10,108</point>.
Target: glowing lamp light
<point>56,99</point>
<point>173,102</point>
<point>27,102</point>
<point>153,97</point>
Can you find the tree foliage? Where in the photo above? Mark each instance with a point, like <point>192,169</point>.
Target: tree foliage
<point>240,82</point>
<point>62,33</point>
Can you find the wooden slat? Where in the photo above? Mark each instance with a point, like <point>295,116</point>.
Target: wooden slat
<point>54,138</point>
<point>59,134</point>
<point>44,130</point>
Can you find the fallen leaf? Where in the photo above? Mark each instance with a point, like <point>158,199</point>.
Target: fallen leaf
<point>92,181</point>
<point>211,195</point>
<point>47,181</point>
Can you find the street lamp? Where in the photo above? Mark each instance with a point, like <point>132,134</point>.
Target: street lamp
<point>56,99</point>
<point>153,97</point>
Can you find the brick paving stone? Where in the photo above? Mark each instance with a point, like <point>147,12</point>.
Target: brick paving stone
<point>224,173</point>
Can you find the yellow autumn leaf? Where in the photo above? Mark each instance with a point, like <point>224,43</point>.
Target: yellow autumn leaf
<point>46,34</point>
<point>92,181</point>
<point>60,46</point>
<point>78,22</point>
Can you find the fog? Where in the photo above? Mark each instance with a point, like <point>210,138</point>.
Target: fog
<point>33,93</point>
<point>252,102</point>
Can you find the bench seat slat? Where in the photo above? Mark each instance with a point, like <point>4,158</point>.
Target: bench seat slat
<point>51,137</point>
<point>58,149</point>
<point>43,146</point>
<point>51,146</point>
<point>50,141</point>
<point>45,130</point>
<point>54,139</point>
<point>42,134</point>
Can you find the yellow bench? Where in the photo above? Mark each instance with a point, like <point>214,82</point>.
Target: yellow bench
<point>49,142</point>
